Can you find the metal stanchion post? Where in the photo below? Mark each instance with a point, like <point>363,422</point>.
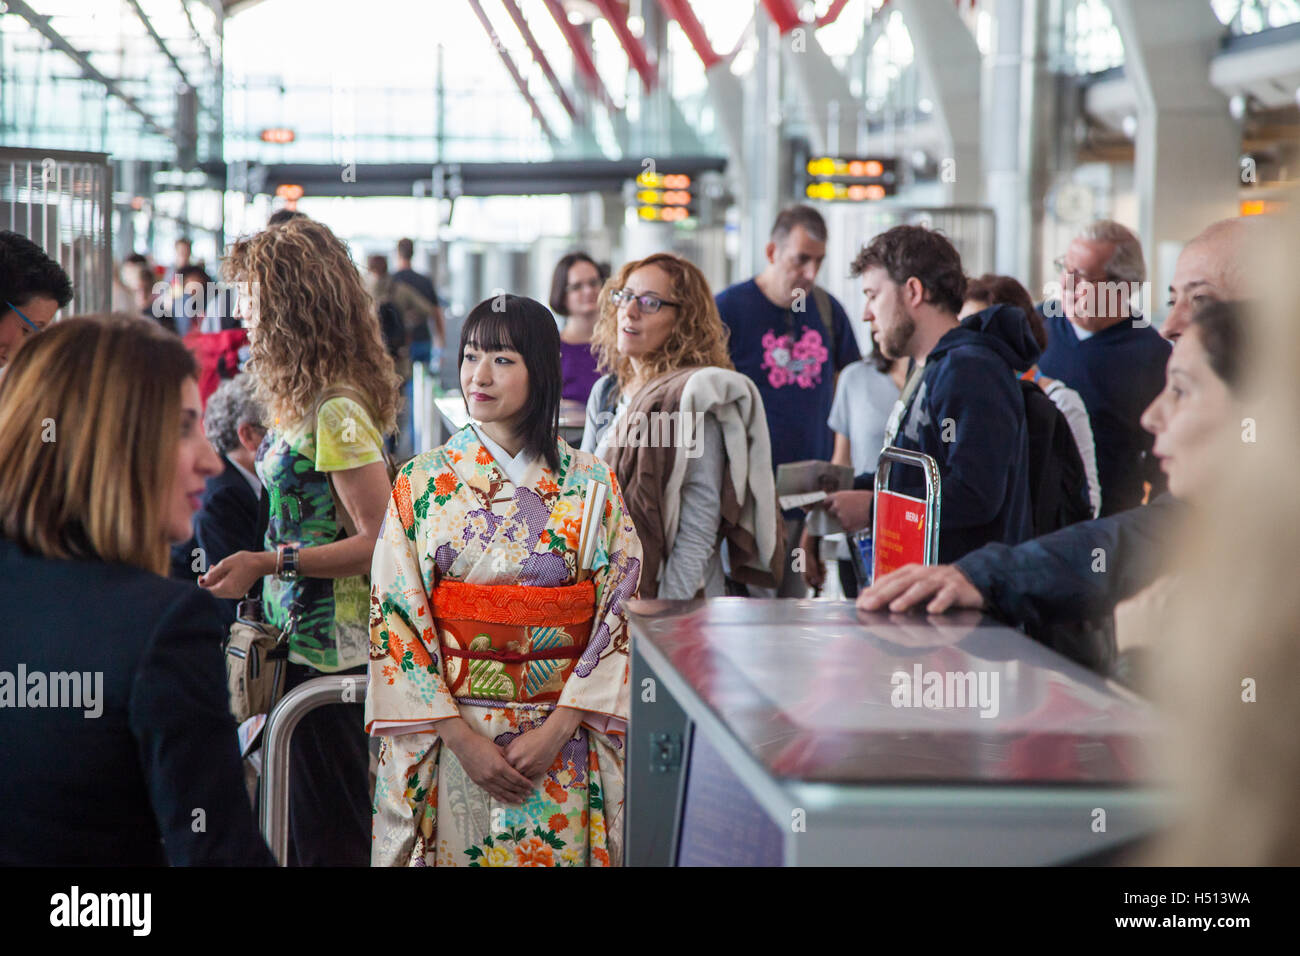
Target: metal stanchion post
<point>280,725</point>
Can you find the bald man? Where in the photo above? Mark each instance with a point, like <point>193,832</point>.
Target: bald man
<point>1053,586</point>
<point>1210,268</point>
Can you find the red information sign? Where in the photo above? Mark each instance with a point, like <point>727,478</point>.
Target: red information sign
<point>899,536</point>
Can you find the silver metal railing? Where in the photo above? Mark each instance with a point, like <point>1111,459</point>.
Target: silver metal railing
<point>277,735</point>
<point>933,495</point>
<point>62,201</point>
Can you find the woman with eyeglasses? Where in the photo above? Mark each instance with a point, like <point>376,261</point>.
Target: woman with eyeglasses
<point>33,287</point>
<point>685,433</point>
<point>575,294</point>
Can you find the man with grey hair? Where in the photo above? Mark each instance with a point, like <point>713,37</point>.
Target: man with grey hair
<point>1099,346</point>
<point>228,519</point>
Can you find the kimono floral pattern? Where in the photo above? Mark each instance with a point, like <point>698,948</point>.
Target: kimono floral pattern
<point>455,516</point>
<point>791,362</point>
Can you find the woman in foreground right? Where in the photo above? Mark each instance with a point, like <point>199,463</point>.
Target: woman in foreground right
<point>1226,662</point>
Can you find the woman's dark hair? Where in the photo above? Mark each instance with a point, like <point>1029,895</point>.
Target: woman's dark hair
<point>1222,327</point>
<point>196,274</point>
<point>26,271</point>
<point>525,326</point>
<point>993,289</point>
<point>560,279</point>
<point>907,251</point>
<point>281,216</point>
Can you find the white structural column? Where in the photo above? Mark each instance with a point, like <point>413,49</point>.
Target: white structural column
<point>727,97</point>
<point>1188,146</point>
<point>1007,189</point>
<point>759,198</point>
<point>949,58</point>
<point>828,105</point>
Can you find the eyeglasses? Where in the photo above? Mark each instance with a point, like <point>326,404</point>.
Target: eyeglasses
<point>589,284</point>
<point>30,324</point>
<point>649,304</point>
<point>1074,275</point>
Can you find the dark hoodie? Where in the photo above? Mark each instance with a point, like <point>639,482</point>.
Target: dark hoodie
<point>969,395</point>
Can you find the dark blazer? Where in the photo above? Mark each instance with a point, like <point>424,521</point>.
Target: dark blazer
<point>228,522</point>
<point>156,777</point>
<point>1054,586</point>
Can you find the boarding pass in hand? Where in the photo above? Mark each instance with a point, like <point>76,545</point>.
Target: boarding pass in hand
<point>801,500</point>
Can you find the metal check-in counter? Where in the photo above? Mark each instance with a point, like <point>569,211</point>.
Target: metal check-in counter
<point>767,733</point>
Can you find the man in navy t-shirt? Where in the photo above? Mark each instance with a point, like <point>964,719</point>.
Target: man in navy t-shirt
<point>791,338</point>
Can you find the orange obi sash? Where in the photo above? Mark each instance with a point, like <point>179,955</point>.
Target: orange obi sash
<point>507,642</point>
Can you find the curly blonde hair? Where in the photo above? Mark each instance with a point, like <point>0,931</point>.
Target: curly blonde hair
<point>314,326</point>
<point>698,337</point>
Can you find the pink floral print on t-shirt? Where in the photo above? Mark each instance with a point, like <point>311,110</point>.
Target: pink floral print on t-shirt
<point>794,363</point>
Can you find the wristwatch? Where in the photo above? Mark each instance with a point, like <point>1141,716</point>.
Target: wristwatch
<point>286,561</point>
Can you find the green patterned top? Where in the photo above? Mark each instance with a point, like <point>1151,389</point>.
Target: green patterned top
<point>332,630</point>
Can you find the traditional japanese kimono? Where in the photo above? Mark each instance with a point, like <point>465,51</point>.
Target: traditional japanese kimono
<point>476,611</point>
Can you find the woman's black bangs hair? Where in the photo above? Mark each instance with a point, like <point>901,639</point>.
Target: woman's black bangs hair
<point>486,329</point>
<point>524,325</point>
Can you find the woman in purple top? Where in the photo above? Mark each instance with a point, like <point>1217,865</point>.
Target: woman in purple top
<point>575,289</point>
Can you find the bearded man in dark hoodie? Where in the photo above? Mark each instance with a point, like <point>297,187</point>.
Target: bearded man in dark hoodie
<point>962,405</point>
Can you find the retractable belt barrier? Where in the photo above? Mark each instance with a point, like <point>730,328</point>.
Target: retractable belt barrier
<point>905,529</point>
<point>280,725</point>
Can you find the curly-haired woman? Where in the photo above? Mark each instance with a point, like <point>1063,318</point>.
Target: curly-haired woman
<point>330,391</point>
<point>685,433</point>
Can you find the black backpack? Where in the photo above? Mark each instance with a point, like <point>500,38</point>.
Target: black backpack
<point>1058,483</point>
<point>392,327</point>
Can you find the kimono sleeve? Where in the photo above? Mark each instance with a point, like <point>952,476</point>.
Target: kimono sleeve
<point>598,683</point>
<point>406,689</point>
<point>405,806</point>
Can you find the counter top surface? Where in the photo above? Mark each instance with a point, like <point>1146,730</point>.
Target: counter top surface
<point>818,691</point>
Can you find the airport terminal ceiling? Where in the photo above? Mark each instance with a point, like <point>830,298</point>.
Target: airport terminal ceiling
<point>207,109</point>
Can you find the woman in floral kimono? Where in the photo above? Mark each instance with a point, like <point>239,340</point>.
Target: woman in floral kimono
<point>498,667</point>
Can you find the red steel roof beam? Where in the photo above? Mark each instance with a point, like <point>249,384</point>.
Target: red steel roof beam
<point>510,67</point>
<point>832,13</point>
<point>783,14</point>
<point>617,17</point>
<point>581,55</point>
<point>516,15</point>
<point>680,10</point>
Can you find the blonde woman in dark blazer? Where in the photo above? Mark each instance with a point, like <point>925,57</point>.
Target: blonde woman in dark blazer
<point>124,744</point>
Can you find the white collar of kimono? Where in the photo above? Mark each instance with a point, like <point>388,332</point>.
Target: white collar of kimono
<point>515,468</point>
